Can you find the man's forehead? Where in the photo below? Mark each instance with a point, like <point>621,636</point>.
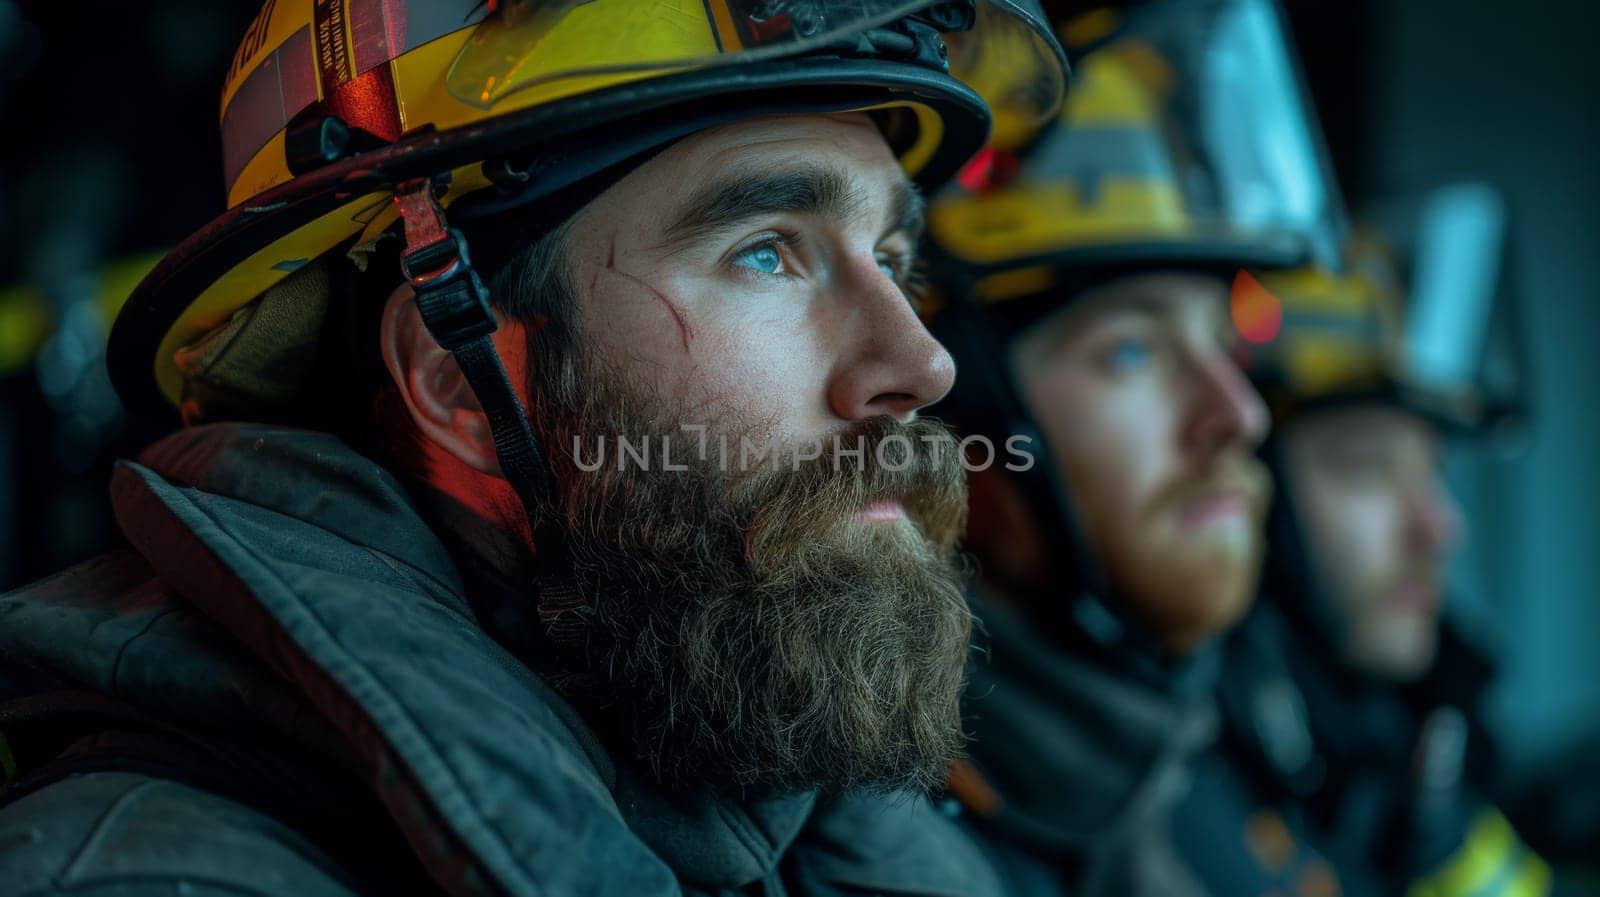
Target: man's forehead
<point>813,183</point>
<point>1369,424</point>
<point>710,180</point>
<point>1173,294</point>
<point>852,133</point>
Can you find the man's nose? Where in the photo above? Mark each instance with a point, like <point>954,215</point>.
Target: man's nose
<point>888,363</point>
<point>1227,410</point>
<point>1435,519</point>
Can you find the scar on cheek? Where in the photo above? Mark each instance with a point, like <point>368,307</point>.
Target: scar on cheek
<point>685,331</point>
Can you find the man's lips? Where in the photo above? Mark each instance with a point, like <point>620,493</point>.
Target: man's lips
<point>884,510</point>
<point>1415,598</point>
<point>1235,490</point>
<point>1216,507</point>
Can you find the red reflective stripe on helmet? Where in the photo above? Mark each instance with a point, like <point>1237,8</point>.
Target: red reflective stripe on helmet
<point>367,102</point>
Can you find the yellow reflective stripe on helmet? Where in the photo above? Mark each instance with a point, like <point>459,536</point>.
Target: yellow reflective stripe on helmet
<point>1012,223</point>
<point>1319,366</point>
<point>1340,332</point>
<point>1118,88</point>
<point>1492,862</point>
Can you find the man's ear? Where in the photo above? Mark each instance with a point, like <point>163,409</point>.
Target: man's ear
<point>441,403</point>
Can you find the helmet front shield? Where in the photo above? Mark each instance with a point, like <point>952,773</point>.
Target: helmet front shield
<point>1416,320</point>
<point>1187,137</point>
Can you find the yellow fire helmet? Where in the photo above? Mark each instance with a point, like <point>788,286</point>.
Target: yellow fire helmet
<point>1436,343</point>
<point>331,105</point>
<point>1314,334</point>
<point>1187,140</point>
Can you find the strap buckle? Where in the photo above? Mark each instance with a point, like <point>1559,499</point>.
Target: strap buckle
<point>450,296</point>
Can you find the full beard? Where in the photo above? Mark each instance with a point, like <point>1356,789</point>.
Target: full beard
<point>740,630</point>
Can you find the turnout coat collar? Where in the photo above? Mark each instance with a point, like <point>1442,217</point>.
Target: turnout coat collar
<point>296,586</point>
<point>1076,767</point>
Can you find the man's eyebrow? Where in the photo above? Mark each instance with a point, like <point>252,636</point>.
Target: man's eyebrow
<point>1143,304</point>
<point>819,190</point>
<point>907,209</point>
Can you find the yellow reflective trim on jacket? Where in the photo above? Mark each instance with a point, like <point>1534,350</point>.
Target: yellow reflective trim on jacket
<point>1491,862</point>
<point>25,323</point>
<point>1532,880</point>
<point>27,320</point>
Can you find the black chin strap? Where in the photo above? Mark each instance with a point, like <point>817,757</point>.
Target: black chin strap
<point>454,305</point>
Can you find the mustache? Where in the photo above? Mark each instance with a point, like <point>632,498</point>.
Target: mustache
<point>916,463</point>
<point>1233,472</point>
<point>1417,574</point>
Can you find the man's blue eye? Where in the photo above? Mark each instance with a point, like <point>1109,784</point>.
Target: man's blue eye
<point>764,258</point>
<point>1129,353</point>
<point>889,267</point>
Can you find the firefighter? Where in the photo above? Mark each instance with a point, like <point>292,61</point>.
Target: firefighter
<point>1355,760</point>
<point>1085,287</point>
<point>387,625</point>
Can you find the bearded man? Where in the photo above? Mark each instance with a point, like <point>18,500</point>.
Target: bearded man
<point>430,645</point>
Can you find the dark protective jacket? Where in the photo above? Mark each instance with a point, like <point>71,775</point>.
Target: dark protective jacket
<point>1075,766</point>
<point>285,690</point>
<point>1323,784</point>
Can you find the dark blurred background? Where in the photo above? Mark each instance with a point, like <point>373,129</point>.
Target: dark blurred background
<point>109,153</point>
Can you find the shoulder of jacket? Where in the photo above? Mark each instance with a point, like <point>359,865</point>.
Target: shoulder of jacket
<point>130,834</point>
<point>107,575</point>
